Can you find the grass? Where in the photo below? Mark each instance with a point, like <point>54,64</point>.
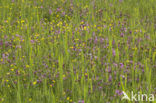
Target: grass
<point>76,51</point>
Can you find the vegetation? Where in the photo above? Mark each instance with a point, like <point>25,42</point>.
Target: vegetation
<point>76,51</point>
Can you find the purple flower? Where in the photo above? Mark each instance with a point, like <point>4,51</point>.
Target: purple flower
<point>121,65</point>
<point>117,91</point>
<point>32,41</point>
<point>5,56</point>
<point>110,78</point>
<point>104,26</point>
<point>101,40</point>
<point>115,64</point>
<point>63,13</point>
<point>95,41</point>
<point>58,9</point>
<point>41,7</point>
<point>113,52</point>
<point>81,101</point>
<point>39,81</point>
<point>121,34</point>
<point>50,11</point>
<point>1,43</point>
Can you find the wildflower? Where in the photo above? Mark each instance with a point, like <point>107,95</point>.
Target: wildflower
<point>2,99</point>
<point>122,34</point>
<point>1,60</point>
<point>22,21</point>
<point>81,101</point>
<point>27,66</point>
<point>118,92</point>
<point>12,69</point>
<point>53,81</point>
<point>34,83</point>
<point>110,78</point>
<point>82,22</point>
<point>114,52</point>
<point>53,65</point>
<point>57,16</point>
<point>85,28</point>
<point>30,99</point>
<point>51,85</point>
<point>37,35</point>
<point>121,65</point>
<point>86,74</point>
<point>127,61</point>
<point>71,100</point>
<point>42,38</point>
<point>76,39</point>
<point>1,43</point>
<point>68,98</point>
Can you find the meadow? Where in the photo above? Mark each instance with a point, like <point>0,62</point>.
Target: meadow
<point>77,51</point>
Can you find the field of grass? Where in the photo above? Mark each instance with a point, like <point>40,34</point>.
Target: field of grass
<point>77,51</point>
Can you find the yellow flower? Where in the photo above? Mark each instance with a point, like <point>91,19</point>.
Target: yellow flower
<point>64,76</point>
<point>1,60</point>
<point>71,100</point>
<point>27,66</point>
<point>53,81</point>
<point>82,22</point>
<point>76,39</point>
<point>2,99</point>
<point>127,61</point>
<point>51,85</point>
<point>85,28</point>
<point>30,99</point>
<point>68,98</point>
<point>34,83</point>
<point>57,16</point>
<point>22,40</point>
<point>42,38</point>
<point>22,21</point>
<point>37,35</point>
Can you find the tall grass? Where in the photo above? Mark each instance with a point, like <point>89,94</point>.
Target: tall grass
<point>76,51</point>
